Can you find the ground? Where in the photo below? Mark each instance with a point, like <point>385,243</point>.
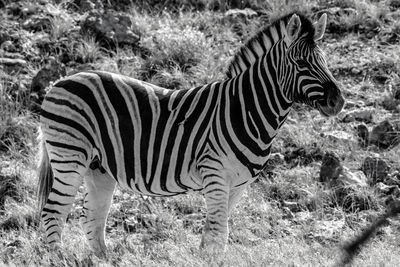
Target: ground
<point>289,217</point>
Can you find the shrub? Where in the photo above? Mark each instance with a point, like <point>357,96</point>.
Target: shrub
<point>173,52</point>
<point>170,46</point>
<point>355,199</point>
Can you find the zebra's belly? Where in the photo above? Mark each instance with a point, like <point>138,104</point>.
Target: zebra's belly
<point>160,185</point>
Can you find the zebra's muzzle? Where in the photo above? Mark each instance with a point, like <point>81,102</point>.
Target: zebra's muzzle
<point>333,103</point>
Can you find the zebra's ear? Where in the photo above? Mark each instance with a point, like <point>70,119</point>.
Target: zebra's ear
<point>293,27</point>
<point>320,27</point>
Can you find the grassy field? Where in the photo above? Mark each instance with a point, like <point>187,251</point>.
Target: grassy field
<point>286,218</point>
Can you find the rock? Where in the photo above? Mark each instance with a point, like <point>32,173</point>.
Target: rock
<point>275,159</point>
<point>363,135</point>
<point>303,155</point>
<point>8,46</point>
<point>376,169</point>
<point>110,29</point>
<point>393,179</point>
<point>38,23</point>
<point>357,178</point>
<point>384,135</point>
<point>15,9</point>
<point>334,174</point>
<point>330,168</point>
<point>89,5</point>
<point>381,78</point>
<point>29,9</point>
<point>13,65</point>
<point>340,136</point>
<point>49,73</point>
<point>353,104</point>
<point>397,94</point>
<point>13,62</point>
<point>364,114</point>
<point>291,205</point>
<point>81,67</point>
<point>247,12</point>
<point>339,11</point>
<point>392,190</point>
<point>394,4</point>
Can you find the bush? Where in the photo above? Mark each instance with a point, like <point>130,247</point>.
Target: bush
<point>172,49</point>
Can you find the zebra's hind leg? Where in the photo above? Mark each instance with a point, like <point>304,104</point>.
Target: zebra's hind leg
<point>100,188</point>
<point>59,202</point>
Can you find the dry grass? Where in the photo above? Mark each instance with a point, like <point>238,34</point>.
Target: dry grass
<point>287,217</point>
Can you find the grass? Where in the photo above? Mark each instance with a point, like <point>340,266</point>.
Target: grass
<point>285,218</point>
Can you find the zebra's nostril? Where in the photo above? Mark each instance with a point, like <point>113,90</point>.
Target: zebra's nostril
<point>331,102</point>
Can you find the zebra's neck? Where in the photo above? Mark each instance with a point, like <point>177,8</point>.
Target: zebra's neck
<point>257,47</point>
<point>254,110</point>
<point>263,105</point>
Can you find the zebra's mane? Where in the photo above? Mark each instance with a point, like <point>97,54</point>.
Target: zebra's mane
<point>262,41</point>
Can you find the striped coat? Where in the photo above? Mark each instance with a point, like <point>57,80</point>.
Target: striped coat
<point>107,129</point>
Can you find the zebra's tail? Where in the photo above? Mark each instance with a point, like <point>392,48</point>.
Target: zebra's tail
<point>45,172</point>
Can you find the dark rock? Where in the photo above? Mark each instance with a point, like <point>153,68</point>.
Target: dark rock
<point>37,23</point>
<point>376,169</point>
<point>303,155</point>
<point>353,199</point>
<point>353,104</point>
<point>15,9</point>
<point>49,73</point>
<point>8,46</point>
<point>18,222</point>
<point>331,168</point>
<point>384,135</point>
<point>274,160</point>
<point>393,179</point>
<point>392,190</point>
<point>82,67</point>
<point>335,175</point>
<point>364,115</point>
<point>292,206</point>
<point>363,135</point>
<point>397,94</point>
<point>110,29</point>
<point>394,4</point>
<point>89,5</point>
<point>381,78</point>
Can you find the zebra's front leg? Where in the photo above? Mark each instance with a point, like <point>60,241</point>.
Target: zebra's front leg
<point>215,234</point>
<point>100,189</point>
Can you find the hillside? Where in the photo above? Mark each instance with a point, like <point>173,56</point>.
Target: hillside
<point>327,180</point>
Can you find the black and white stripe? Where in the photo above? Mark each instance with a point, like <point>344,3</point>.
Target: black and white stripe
<point>112,129</point>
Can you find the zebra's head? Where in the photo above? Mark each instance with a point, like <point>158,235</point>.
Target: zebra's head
<point>306,77</point>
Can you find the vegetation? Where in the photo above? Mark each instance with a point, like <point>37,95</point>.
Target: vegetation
<point>288,216</point>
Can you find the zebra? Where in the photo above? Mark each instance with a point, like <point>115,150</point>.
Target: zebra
<point>105,129</point>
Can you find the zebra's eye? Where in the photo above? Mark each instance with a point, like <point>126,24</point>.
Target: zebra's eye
<point>302,63</point>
